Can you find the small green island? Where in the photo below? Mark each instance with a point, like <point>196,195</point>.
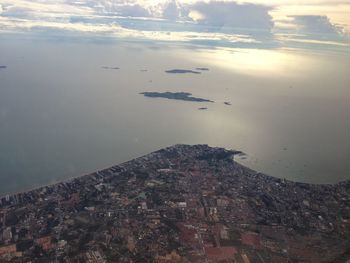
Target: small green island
<point>185,96</point>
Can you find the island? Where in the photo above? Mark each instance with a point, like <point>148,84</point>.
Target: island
<point>227,103</point>
<point>3,67</point>
<point>106,67</point>
<point>202,108</point>
<point>182,71</point>
<point>184,203</point>
<point>203,69</point>
<point>185,96</point>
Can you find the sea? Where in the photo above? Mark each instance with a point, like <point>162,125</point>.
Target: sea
<point>65,110</point>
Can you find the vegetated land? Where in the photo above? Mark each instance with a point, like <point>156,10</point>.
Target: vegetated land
<point>174,96</point>
<point>106,67</point>
<point>179,204</point>
<point>182,71</point>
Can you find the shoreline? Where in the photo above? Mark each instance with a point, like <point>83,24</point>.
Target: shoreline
<point>35,188</point>
<point>177,193</point>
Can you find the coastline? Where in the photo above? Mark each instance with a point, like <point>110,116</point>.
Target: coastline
<point>68,180</point>
<point>165,202</point>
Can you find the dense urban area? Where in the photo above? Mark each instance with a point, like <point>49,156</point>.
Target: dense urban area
<point>180,204</point>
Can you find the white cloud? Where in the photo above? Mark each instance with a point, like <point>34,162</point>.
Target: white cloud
<point>311,30</point>
<point>172,10</point>
<point>196,15</point>
<point>252,19</point>
<point>213,22</point>
<point>132,11</point>
<point>116,7</point>
<point>318,27</point>
<point>231,14</point>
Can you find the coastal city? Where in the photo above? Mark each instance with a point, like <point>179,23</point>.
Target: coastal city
<point>179,204</point>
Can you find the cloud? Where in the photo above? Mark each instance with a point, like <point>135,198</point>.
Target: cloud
<point>221,23</point>
<point>117,7</point>
<point>132,11</point>
<point>311,31</point>
<point>172,10</point>
<point>318,28</point>
<point>233,17</point>
<point>16,11</point>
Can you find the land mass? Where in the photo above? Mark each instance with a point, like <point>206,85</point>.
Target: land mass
<point>174,96</point>
<point>3,67</point>
<point>106,67</point>
<point>203,69</point>
<point>182,71</point>
<point>179,204</point>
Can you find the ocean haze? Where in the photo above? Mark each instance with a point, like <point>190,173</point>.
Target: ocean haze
<point>62,114</point>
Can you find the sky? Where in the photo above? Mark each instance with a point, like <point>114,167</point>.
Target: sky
<point>243,23</point>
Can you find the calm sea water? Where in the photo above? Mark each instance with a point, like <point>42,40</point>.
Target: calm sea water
<point>62,115</point>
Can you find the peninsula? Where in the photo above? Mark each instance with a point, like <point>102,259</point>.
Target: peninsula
<point>174,96</point>
<point>179,204</point>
